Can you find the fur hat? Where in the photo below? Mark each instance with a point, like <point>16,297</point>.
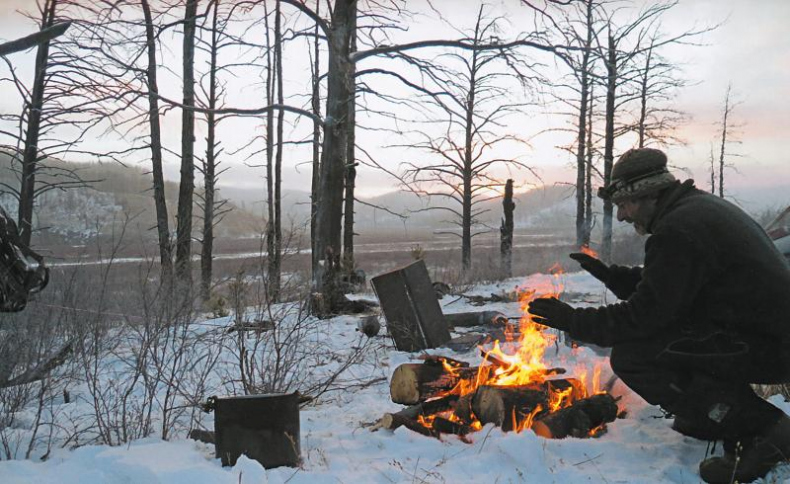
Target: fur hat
<point>637,173</point>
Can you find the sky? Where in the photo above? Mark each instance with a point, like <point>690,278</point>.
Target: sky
<point>749,50</point>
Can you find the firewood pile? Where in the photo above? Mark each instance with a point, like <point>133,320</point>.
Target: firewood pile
<point>447,396</point>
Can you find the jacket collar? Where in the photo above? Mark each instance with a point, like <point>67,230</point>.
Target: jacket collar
<point>667,199</point>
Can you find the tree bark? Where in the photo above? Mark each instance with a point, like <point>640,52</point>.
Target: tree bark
<point>727,109</point>
<point>160,201</point>
<point>588,214</point>
<point>275,258</point>
<point>351,164</point>
<point>608,157</point>
<point>468,175</point>
<point>333,157</point>
<point>209,170</point>
<point>506,232</point>
<point>581,160</point>
<point>271,90</point>
<point>30,155</point>
<point>316,108</point>
<point>643,92</point>
<point>187,185</point>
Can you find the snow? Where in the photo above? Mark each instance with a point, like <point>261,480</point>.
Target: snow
<point>337,447</point>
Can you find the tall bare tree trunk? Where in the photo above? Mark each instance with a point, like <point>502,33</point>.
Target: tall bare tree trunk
<point>160,201</point>
<point>30,156</point>
<point>187,186</point>
<point>333,156</point>
<point>316,107</point>
<point>275,258</point>
<point>608,156</point>
<point>643,94</point>
<point>351,164</point>
<point>581,160</point>
<point>271,81</point>
<point>209,168</point>
<point>466,200</point>
<point>506,232</point>
<point>727,109</point>
<point>588,213</point>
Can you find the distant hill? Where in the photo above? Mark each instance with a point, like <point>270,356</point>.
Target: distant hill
<point>115,193</point>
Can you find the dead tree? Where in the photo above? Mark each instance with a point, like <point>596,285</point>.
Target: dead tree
<point>329,199</point>
<point>351,161</point>
<point>212,206</point>
<point>30,155</point>
<point>160,200</point>
<point>623,46</point>
<point>726,137</point>
<point>506,231</point>
<point>183,264</point>
<point>471,98</point>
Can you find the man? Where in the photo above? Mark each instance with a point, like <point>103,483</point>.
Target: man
<point>707,314</point>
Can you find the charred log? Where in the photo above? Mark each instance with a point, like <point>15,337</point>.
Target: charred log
<point>507,406</point>
<point>578,420</point>
<point>503,406</point>
<point>408,416</point>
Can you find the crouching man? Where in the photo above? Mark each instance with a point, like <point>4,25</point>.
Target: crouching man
<point>706,315</point>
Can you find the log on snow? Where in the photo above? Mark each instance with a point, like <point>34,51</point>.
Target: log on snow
<point>412,383</point>
<point>509,405</point>
<point>408,416</point>
<point>579,419</point>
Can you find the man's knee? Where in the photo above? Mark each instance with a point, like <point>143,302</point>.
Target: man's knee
<point>629,357</point>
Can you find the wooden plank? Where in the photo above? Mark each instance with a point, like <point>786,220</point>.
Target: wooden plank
<point>408,301</point>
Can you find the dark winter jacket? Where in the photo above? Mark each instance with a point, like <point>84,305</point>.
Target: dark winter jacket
<point>708,265</point>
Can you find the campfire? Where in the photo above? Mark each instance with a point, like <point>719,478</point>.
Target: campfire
<point>512,388</point>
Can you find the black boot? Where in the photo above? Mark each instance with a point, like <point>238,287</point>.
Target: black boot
<point>753,460</point>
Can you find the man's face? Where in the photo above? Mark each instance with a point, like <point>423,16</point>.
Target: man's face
<point>638,212</point>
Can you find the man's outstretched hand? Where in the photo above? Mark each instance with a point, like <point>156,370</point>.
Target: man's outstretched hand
<point>552,312</point>
<point>594,266</point>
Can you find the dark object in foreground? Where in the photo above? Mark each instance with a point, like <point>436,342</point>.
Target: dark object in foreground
<point>262,427</point>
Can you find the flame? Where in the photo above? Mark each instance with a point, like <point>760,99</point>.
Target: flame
<point>519,361</point>
<point>585,249</point>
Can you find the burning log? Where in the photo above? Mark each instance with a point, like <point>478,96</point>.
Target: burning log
<point>412,383</point>
<point>409,415</point>
<point>509,406</point>
<point>578,420</point>
<point>505,406</point>
<point>445,426</point>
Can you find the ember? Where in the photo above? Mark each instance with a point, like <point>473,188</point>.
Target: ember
<point>513,389</point>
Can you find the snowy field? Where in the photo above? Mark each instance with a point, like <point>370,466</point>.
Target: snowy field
<point>337,447</point>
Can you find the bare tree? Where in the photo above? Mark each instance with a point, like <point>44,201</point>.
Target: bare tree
<point>34,110</point>
<point>726,137</point>
<point>160,203</point>
<point>624,46</point>
<point>186,189</point>
<point>471,94</point>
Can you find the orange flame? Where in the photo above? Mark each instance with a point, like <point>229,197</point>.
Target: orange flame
<point>585,249</point>
<point>519,361</point>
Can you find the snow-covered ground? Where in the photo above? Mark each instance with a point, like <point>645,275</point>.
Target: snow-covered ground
<point>336,446</point>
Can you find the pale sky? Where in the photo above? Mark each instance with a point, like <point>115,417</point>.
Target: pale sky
<point>751,50</point>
